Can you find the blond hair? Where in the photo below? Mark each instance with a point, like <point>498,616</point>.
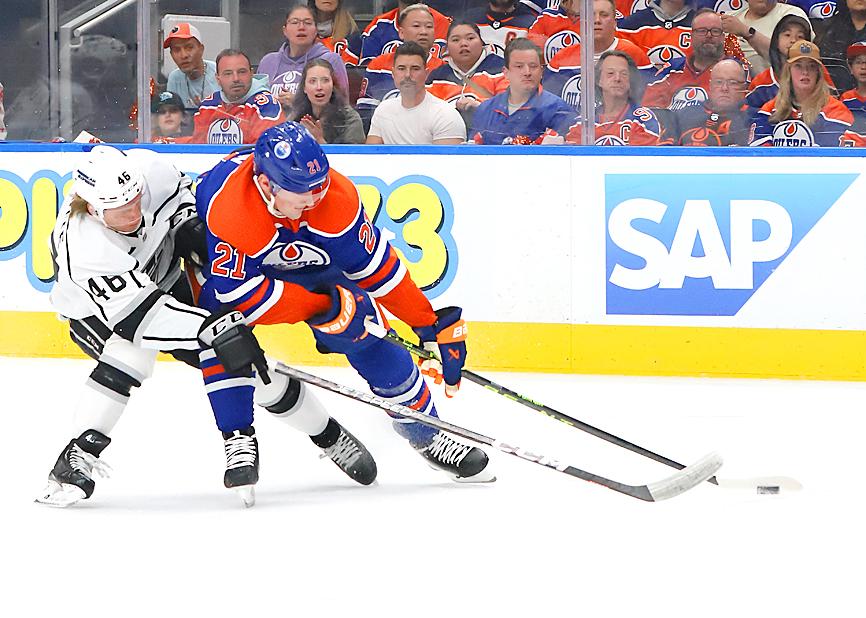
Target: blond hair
<point>78,206</point>
<point>809,108</point>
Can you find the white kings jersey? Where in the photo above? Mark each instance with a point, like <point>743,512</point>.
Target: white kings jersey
<point>122,279</point>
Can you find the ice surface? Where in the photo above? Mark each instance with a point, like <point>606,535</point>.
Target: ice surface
<point>162,537</point>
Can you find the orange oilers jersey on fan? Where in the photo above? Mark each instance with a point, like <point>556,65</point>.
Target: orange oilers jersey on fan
<point>266,266</point>
<point>218,122</point>
<point>553,31</point>
<point>449,84</point>
<point>635,126</point>
<point>677,86</point>
<point>663,39</point>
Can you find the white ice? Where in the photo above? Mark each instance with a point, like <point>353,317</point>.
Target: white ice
<point>162,537</point>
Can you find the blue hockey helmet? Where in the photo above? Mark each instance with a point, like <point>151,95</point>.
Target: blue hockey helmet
<point>291,158</point>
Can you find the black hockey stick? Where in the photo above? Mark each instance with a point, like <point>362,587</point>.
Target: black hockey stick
<point>669,487</point>
<point>774,481</point>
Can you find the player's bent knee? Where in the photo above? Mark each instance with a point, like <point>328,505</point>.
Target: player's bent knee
<point>114,379</point>
<point>282,396</point>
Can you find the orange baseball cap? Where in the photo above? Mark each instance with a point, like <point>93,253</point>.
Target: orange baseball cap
<point>183,30</point>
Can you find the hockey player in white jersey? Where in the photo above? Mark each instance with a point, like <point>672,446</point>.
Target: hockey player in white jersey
<point>117,243</point>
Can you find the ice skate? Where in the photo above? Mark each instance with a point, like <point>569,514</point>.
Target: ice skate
<point>71,479</point>
<point>346,452</point>
<point>463,463</point>
<point>242,463</point>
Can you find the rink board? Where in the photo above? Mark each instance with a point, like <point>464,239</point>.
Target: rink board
<point>630,261</point>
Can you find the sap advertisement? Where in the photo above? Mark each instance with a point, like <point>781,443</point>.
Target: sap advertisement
<point>561,236</point>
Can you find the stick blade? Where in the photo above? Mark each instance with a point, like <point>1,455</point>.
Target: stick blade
<point>686,479</point>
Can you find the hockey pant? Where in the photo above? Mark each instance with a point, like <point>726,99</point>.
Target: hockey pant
<point>388,370</point>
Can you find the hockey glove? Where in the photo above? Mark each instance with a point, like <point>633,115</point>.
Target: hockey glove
<point>234,343</point>
<point>343,323</point>
<point>446,339</point>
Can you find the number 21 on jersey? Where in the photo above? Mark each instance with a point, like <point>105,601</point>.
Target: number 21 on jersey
<point>228,262</point>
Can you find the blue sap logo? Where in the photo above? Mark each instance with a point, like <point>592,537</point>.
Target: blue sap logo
<point>702,244</point>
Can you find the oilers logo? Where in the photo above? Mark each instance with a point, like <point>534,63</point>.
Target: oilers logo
<point>571,92</point>
<point>822,10</point>
<point>728,6</point>
<point>688,97</point>
<point>287,82</point>
<point>296,256</point>
<point>391,46</point>
<point>558,42</point>
<point>638,5</point>
<point>664,54</point>
<point>793,133</point>
<point>392,94</point>
<point>609,140</point>
<point>224,131</point>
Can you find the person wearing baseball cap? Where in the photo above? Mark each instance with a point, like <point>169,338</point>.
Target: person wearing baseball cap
<point>804,113</point>
<point>169,114</point>
<point>855,99</point>
<point>194,79</point>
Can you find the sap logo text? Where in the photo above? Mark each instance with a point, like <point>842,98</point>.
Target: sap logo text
<point>702,244</point>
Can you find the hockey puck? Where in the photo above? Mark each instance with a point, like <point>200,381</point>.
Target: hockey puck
<point>768,489</point>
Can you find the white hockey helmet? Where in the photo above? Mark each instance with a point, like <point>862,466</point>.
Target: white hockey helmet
<point>108,179</point>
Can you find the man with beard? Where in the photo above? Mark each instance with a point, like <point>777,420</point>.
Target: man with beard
<point>501,21</point>
<point>686,80</point>
<point>722,120</point>
<point>414,117</point>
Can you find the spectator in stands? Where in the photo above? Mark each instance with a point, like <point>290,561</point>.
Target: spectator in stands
<point>765,86</point>
<point>524,113</point>
<point>417,24</point>
<point>284,66</point>
<point>168,116</point>
<point>415,117</point>
<point>194,79</point>
<point>323,108</point>
<point>661,30</point>
<point>240,110</point>
<point>753,25</point>
<point>556,28</point>
<point>562,75</point>
<point>803,113</point>
<point>382,36</point>
<point>836,34</point>
<point>500,21</point>
<point>2,116</point>
<point>855,99</point>
<point>723,120</point>
<point>686,80</point>
<point>334,22</point>
<point>471,73</point>
<point>619,120</point>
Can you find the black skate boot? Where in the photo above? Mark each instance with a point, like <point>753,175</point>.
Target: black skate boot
<point>347,452</point>
<point>242,463</point>
<point>71,479</point>
<point>463,463</point>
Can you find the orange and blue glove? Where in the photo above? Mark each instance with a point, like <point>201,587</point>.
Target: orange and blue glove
<point>446,340</point>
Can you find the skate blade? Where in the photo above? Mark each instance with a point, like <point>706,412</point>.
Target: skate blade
<point>247,494</point>
<point>60,496</point>
<point>482,477</point>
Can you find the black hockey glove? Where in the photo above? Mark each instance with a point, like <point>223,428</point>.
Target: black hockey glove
<point>234,343</point>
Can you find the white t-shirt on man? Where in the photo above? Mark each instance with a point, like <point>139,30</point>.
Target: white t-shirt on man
<point>432,119</point>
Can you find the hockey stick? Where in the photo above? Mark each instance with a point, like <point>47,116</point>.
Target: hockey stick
<point>669,487</point>
<point>783,482</point>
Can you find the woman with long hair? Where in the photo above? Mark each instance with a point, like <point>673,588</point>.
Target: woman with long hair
<point>804,113</point>
<point>333,20</point>
<point>619,118</point>
<point>322,106</point>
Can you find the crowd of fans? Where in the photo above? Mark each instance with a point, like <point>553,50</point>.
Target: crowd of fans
<point>667,72</point>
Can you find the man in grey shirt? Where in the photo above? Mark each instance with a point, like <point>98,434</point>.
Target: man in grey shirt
<point>195,78</point>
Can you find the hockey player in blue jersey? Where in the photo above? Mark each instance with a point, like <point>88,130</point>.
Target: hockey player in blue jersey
<point>289,242</point>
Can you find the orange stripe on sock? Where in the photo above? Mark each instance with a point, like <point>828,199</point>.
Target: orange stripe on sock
<point>212,371</point>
